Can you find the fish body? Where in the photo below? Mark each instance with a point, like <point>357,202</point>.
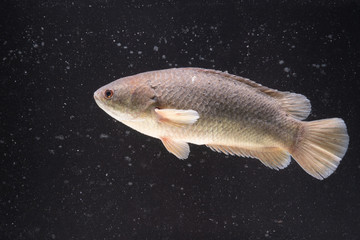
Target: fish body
<point>229,114</point>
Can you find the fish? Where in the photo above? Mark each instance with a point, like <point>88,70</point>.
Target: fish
<point>227,113</point>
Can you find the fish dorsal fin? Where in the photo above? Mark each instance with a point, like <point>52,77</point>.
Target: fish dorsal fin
<point>296,105</point>
<point>272,157</point>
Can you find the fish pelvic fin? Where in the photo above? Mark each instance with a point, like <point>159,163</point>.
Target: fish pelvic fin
<point>320,146</point>
<point>180,149</point>
<point>177,117</point>
<point>272,157</point>
<point>296,105</point>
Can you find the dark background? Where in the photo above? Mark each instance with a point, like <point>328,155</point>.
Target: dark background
<point>68,171</point>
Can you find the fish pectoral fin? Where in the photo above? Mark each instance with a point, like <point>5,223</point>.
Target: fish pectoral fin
<point>179,148</point>
<point>177,117</point>
<point>272,157</point>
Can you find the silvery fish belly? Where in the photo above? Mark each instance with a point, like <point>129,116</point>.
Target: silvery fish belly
<point>227,113</point>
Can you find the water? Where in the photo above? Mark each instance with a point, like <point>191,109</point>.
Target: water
<point>68,171</point>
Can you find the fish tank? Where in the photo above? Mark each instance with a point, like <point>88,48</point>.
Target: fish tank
<point>75,167</point>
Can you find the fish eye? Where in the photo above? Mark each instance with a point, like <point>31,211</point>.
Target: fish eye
<point>109,94</point>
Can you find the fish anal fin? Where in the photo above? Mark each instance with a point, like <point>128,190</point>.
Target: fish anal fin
<point>179,148</point>
<point>272,157</point>
<point>296,105</point>
<point>177,117</point>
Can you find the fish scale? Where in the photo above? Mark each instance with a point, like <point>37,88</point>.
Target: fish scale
<point>222,100</point>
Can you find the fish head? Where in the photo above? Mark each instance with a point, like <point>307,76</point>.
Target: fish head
<point>126,99</point>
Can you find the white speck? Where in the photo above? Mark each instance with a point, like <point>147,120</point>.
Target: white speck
<point>60,137</point>
<point>163,57</point>
<point>156,48</point>
<point>287,69</point>
<point>193,79</point>
<point>139,52</point>
<point>103,135</point>
<point>281,62</point>
<point>35,45</point>
<point>130,183</point>
<point>118,44</point>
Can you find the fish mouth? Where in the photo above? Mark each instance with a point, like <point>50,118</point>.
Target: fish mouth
<point>98,98</point>
<point>120,116</point>
<point>97,95</point>
<point>99,101</point>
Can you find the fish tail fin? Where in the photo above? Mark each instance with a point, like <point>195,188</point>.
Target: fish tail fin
<point>320,146</point>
